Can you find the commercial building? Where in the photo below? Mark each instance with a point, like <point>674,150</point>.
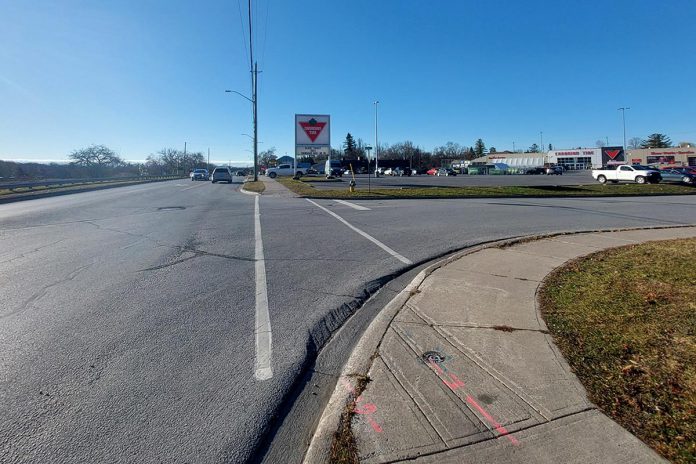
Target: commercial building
<point>666,156</point>
<point>588,158</point>
<point>581,158</point>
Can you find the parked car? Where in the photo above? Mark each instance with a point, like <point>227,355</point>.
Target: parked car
<point>431,172</point>
<point>332,168</point>
<point>283,170</point>
<point>317,168</point>
<point>553,170</point>
<point>535,171</point>
<point>240,173</point>
<point>200,174</point>
<point>681,175</point>
<point>625,173</point>
<point>221,175</point>
<point>446,172</point>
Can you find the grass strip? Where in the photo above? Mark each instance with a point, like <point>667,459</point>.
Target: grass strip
<point>255,186</point>
<point>625,319</point>
<point>304,189</point>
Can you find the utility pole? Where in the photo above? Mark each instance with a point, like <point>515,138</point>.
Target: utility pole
<point>607,137</point>
<point>208,159</point>
<point>376,141</point>
<point>623,117</point>
<point>513,147</point>
<point>254,97</point>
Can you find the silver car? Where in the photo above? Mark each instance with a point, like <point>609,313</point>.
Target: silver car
<point>221,175</point>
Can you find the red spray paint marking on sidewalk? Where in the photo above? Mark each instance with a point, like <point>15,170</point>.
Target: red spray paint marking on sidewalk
<point>454,383</point>
<point>365,410</point>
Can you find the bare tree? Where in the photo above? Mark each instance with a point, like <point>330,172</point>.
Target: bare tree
<point>635,142</point>
<point>95,156</point>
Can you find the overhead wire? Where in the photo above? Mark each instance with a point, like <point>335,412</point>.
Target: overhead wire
<point>242,31</point>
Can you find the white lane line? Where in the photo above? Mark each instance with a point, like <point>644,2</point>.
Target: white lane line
<point>364,234</point>
<point>352,205</point>
<point>263,370</point>
<point>189,188</point>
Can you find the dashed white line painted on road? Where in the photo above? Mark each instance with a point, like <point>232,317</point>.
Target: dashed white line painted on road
<point>189,188</point>
<point>353,205</point>
<point>263,369</point>
<point>364,234</point>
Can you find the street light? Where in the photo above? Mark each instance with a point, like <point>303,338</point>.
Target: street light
<point>376,141</point>
<point>251,137</point>
<point>254,111</point>
<point>368,148</point>
<point>623,117</point>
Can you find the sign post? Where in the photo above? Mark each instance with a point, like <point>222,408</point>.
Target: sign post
<point>312,135</point>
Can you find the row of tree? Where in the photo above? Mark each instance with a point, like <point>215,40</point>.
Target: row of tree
<point>655,140</point>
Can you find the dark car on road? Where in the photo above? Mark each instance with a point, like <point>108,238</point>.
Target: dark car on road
<point>200,174</point>
<point>681,175</point>
<point>446,172</point>
<point>221,175</point>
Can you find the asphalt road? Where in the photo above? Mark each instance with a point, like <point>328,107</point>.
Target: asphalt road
<point>569,178</point>
<point>128,315</point>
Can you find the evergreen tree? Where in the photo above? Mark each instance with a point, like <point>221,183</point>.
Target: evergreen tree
<point>657,141</point>
<point>479,148</point>
<point>349,147</point>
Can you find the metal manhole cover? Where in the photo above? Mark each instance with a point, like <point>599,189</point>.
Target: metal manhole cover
<point>434,356</point>
<point>170,208</point>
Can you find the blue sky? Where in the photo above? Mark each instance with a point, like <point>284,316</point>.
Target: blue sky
<point>140,75</point>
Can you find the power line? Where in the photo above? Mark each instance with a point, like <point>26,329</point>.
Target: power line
<point>242,30</point>
<point>265,33</point>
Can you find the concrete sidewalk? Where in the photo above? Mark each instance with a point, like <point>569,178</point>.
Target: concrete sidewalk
<point>465,371</point>
<point>275,188</point>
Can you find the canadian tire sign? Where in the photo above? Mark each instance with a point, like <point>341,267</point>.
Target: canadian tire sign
<point>613,155</point>
<point>312,134</point>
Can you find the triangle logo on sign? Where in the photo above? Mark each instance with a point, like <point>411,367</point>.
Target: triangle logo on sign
<point>312,128</point>
<point>612,153</point>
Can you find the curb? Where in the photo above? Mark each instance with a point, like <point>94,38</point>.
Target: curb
<point>361,358</point>
<point>247,192</point>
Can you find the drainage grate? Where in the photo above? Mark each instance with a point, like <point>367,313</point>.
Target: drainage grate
<point>170,208</point>
<point>434,356</point>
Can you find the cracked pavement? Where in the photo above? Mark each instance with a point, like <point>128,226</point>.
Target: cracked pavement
<point>127,332</point>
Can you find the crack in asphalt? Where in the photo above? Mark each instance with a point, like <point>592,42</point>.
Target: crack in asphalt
<point>41,293</point>
<point>34,250</point>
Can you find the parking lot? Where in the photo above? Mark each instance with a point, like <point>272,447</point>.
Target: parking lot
<point>420,181</point>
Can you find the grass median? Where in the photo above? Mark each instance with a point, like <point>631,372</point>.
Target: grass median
<point>625,319</point>
<point>305,189</point>
<point>254,186</point>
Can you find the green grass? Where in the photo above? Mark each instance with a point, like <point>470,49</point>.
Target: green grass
<point>255,186</point>
<point>625,319</point>
<point>306,190</point>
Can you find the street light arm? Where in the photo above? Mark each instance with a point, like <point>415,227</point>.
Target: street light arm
<point>240,94</point>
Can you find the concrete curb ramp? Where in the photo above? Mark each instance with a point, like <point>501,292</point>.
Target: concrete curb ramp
<point>463,369</point>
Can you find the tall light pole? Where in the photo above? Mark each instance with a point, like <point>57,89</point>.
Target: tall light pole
<point>513,147</point>
<point>376,141</point>
<point>623,117</point>
<point>368,148</point>
<point>541,135</point>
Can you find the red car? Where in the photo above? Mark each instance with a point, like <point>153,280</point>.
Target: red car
<point>431,172</point>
